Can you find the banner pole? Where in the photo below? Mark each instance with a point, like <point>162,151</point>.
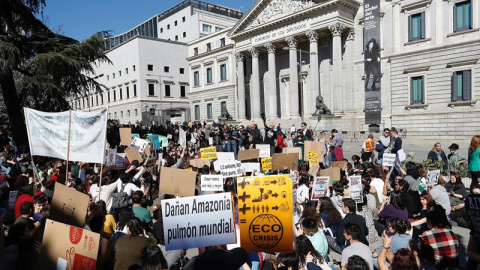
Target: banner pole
<point>103,160</point>
<point>29,136</point>
<point>68,143</point>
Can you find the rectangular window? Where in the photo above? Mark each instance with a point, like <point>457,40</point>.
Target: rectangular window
<point>121,93</point>
<point>108,78</point>
<point>128,92</point>
<point>417,94</point>
<point>416,26</point>
<point>168,26</point>
<point>209,75</point>
<point>223,105</point>
<point>183,19</point>
<point>136,112</point>
<point>134,90</point>
<point>119,73</point>
<point>223,72</point>
<point>114,95</point>
<point>462,85</point>
<point>176,23</point>
<point>176,38</point>
<point>128,113</point>
<point>126,70</point>
<point>183,91</point>
<point>108,97</point>
<point>195,51</point>
<point>113,75</point>
<point>134,67</point>
<point>121,114</point>
<point>151,89</point>
<point>209,111</point>
<point>197,112</point>
<point>207,28</point>
<point>96,99</point>
<point>166,69</point>
<point>150,67</point>
<point>222,42</point>
<point>184,34</point>
<point>101,98</point>
<point>167,90</point>
<point>217,28</point>
<point>209,47</point>
<point>462,16</point>
<point>161,30</point>
<point>196,78</point>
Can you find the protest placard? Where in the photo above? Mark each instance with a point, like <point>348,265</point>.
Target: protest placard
<point>312,156</point>
<point>177,182</point>
<point>251,166</point>
<point>198,221</point>
<point>182,137</point>
<point>356,188</point>
<point>223,157</point>
<point>314,167</point>
<point>119,161</point>
<point>132,154</point>
<point>334,173</point>
<point>266,164</point>
<point>291,150</point>
<point>68,247</point>
<point>169,136</point>
<point>311,145</point>
<point>110,157</point>
<point>163,141</point>
<point>472,209</point>
<point>69,206</point>
<point>388,159</point>
<point>282,161</point>
<point>154,141</point>
<point>139,144</point>
<point>432,177</point>
<point>208,153</point>
<point>211,182</point>
<point>266,213</point>
<point>125,136</point>
<point>135,135</point>
<point>210,141</point>
<point>199,163</point>
<point>193,140</point>
<point>248,154</point>
<point>12,198</point>
<point>320,187</point>
<point>339,164</point>
<point>231,169</point>
<point>264,150</point>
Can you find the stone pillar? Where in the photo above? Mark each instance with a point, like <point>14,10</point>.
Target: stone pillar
<point>241,87</point>
<point>294,106</point>
<point>255,85</point>
<point>336,31</point>
<point>271,94</point>
<point>314,73</point>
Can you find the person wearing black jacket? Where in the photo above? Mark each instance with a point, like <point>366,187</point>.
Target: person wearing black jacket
<point>270,135</point>
<point>349,208</point>
<point>255,133</point>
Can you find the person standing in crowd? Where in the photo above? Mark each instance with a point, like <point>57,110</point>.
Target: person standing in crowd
<point>437,154</point>
<point>368,148</point>
<point>455,158</point>
<point>337,143</point>
<point>474,160</point>
<point>307,133</point>
<point>270,135</point>
<point>255,133</point>
<point>395,146</point>
<point>382,144</point>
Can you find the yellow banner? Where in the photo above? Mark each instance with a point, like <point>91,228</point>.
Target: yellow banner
<point>266,164</point>
<point>266,214</point>
<point>208,153</point>
<point>313,156</point>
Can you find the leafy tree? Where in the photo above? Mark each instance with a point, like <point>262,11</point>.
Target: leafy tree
<point>39,68</point>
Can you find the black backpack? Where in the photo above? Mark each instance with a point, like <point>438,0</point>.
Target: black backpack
<point>120,199</point>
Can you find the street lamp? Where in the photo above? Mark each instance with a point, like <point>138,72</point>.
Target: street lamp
<point>160,83</point>
<point>302,78</point>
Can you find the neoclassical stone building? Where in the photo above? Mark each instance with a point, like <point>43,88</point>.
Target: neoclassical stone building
<point>289,52</point>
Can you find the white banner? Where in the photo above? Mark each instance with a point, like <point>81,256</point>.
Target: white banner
<point>388,159</point>
<point>198,221</point>
<point>182,137</point>
<point>264,150</point>
<point>211,183</point>
<point>356,188</point>
<point>48,134</point>
<point>231,169</point>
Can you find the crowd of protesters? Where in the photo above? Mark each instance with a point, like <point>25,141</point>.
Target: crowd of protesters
<point>410,218</point>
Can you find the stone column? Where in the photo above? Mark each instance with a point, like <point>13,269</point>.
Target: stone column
<point>271,94</point>
<point>294,106</point>
<point>241,87</point>
<point>336,31</point>
<point>314,74</point>
<point>255,85</point>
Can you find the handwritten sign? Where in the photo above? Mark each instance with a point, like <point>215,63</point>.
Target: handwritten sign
<point>264,150</point>
<point>208,153</point>
<point>356,188</point>
<point>266,164</point>
<point>211,183</point>
<point>314,167</point>
<point>388,159</point>
<point>231,169</point>
<point>472,207</point>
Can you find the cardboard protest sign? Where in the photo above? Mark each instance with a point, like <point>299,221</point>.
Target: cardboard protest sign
<point>177,182</point>
<point>110,157</point>
<point>388,159</point>
<point>154,141</point>
<point>248,154</point>
<point>231,169</point>
<point>264,150</point>
<point>472,208</point>
<point>139,144</point>
<point>199,163</point>
<point>182,137</point>
<point>163,141</point>
<point>119,161</point>
<point>320,187</point>
<point>198,221</point>
<point>12,198</point>
<point>68,247</point>
<point>266,213</point>
<point>223,157</point>
<point>311,145</point>
<point>125,136</point>
<point>208,153</point>
<point>334,174</point>
<point>314,167</point>
<point>356,188</point>
<point>132,154</point>
<point>282,161</point>
<point>211,182</point>
<point>339,164</point>
<point>266,164</point>
<point>291,150</point>
<point>432,177</point>
<point>251,166</point>
<point>69,206</point>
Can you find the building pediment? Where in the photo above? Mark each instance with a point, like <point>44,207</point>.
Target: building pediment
<point>266,13</point>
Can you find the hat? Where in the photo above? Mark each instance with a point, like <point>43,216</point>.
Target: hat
<point>216,259</point>
<point>454,146</point>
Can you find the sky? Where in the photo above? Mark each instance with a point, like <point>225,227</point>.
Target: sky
<point>79,19</point>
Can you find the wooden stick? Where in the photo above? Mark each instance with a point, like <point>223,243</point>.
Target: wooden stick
<point>100,184</point>
<point>68,144</point>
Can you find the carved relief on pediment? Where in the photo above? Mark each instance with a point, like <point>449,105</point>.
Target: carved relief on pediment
<point>280,8</point>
